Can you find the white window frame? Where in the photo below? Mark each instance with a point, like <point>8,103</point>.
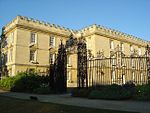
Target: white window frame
<point>52,41</point>
<point>122,46</point>
<point>33,38</point>
<point>131,48</point>
<point>34,55</point>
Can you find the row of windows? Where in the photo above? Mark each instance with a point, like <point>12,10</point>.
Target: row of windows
<point>33,56</point>
<point>122,47</point>
<point>33,40</point>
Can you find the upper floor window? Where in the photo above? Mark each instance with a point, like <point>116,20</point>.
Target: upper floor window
<point>32,55</point>
<point>111,44</point>
<point>122,46</point>
<point>52,41</point>
<point>33,38</point>
<point>131,48</point>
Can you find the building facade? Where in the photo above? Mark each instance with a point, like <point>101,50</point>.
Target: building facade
<point>31,45</point>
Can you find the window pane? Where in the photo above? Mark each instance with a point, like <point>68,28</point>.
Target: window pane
<point>52,41</point>
<point>32,55</point>
<point>32,40</point>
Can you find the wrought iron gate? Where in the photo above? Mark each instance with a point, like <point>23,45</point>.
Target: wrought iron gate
<point>79,48</point>
<point>119,68</point>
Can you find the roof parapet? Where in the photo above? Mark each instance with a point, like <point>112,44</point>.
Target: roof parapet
<point>39,22</point>
<point>113,32</point>
<point>91,27</point>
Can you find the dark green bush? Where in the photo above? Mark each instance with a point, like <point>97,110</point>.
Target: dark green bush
<point>24,82</point>
<point>114,92</point>
<point>143,92</point>
<point>130,86</point>
<point>112,95</point>
<point>8,82</point>
<point>28,83</point>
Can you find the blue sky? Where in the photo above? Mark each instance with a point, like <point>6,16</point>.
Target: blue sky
<point>129,16</point>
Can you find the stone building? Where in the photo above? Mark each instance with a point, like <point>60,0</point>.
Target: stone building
<point>31,45</point>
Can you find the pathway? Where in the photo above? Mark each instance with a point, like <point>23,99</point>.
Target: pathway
<point>135,106</point>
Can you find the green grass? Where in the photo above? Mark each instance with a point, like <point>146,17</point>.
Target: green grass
<point>11,105</point>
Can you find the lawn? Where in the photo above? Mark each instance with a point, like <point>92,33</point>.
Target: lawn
<point>11,105</point>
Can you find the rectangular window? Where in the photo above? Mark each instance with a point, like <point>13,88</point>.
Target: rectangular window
<point>52,42</point>
<point>122,47</point>
<point>131,48</point>
<point>32,55</point>
<point>111,44</point>
<point>33,38</point>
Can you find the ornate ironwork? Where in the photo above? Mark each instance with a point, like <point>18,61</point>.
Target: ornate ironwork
<point>118,68</point>
<point>71,45</point>
<point>71,42</point>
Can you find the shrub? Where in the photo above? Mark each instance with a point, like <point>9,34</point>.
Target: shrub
<point>143,92</point>
<point>28,83</point>
<point>130,86</point>
<point>8,82</point>
<point>114,92</point>
<point>24,82</point>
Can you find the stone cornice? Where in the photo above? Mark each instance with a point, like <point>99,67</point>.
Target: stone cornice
<point>27,65</point>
